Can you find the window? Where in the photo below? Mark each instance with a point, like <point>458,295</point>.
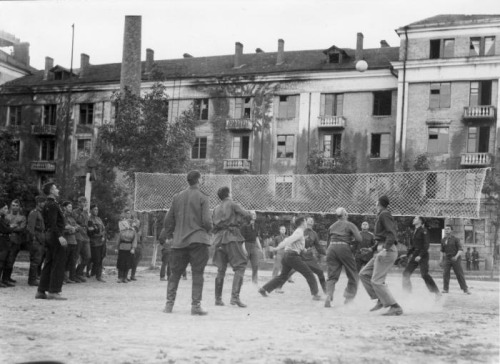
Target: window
<point>83,148</point>
<point>49,114</point>
<point>482,46</point>
<point>201,108</point>
<point>334,58</point>
<point>14,115</point>
<point>440,95</point>
<point>288,107</point>
<point>284,186</point>
<point>48,149</point>
<point>438,141</point>
<point>243,108</point>
<point>16,146</point>
<point>480,93</point>
<point>332,104</point>
<point>478,139</point>
<point>86,114</point>
<point>382,103</point>
<point>240,148</point>
<point>380,146</point>
<point>469,235</point>
<point>442,48</point>
<point>331,144</point>
<point>286,146</point>
<point>199,150</point>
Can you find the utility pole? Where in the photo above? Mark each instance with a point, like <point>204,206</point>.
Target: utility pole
<point>66,149</point>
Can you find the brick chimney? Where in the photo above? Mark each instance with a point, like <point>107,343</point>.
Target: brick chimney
<point>131,61</point>
<point>359,47</point>
<point>84,64</point>
<point>280,59</point>
<point>259,50</point>
<point>187,55</point>
<point>22,52</point>
<point>150,60</point>
<point>49,64</point>
<point>384,44</point>
<point>238,54</point>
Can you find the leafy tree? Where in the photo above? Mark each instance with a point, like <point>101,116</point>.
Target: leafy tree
<point>143,139</point>
<point>491,189</point>
<point>343,162</point>
<point>13,183</point>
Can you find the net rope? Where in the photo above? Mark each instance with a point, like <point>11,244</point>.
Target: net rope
<point>446,193</point>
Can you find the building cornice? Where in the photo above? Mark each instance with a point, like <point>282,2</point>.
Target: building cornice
<point>448,62</point>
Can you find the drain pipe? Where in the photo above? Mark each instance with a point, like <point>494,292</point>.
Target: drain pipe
<point>403,96</point>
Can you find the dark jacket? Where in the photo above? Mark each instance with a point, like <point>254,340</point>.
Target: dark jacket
<point>82,219</point>
<point>5,231</point>
<point>227,218</point>
<point>385,229</point>
<point>36,226</point>
<point>53,218</point>
<point>450,246</point>
<point>420,243</point>
<point>188,220</point>
<point>312,241</point>
<point>250,233</point>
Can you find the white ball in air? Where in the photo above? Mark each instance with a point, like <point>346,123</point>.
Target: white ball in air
<point>361,66</point>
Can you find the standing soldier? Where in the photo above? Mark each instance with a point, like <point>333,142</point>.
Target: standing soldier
<point>17,240</point>
<point>278,255</point>
<point>188,222</point>
<point>137,255</point>
<point>36,230</point>
<point>475,259</point>
<point>312,242</point>
<point>52,276</point>
<point>229,245</point>
<point>96,233</point>
<point>418,255</point>
<point>451,252</point>
<point>468,259</point>
<point>70,235</point>
<point>127,243</point>
<point>83,242</point>
<point>252,246</point>
<point>363,251</point>
<point>5,231</point>
<point>375,271</point>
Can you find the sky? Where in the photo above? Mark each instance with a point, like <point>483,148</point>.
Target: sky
<point>211,27</point>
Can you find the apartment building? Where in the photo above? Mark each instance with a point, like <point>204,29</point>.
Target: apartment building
<point>14,58</point>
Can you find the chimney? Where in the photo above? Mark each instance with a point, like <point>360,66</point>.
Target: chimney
<point>238,53</point>
<point>384,44</point>
<point>84,64</point>
<point>281,52</point>
<point>187,55</point>
<point>150,60</point>
<point>49,63</point>
<point>359,47</point>
<point>22,52</point>
<point>258,50</point>
<point>131,61</point>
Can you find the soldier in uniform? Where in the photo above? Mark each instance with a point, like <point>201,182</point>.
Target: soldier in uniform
<point>83,241</point>
<point>96,233</point>
<point>5,231</point>
<point>17,240</point>
<point>229,245</point>
<point>451,257</point>
<point>252,245</point>
<point>468,259</point>
<point>312,242</point>
<point>363,251</point>
<point>36,230</point>
<point>418,255</point>
<point>475,259</point>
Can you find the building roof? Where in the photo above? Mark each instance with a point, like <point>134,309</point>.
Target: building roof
<point>453,19</point>
<point>223,66</point>
<point>11,61</point>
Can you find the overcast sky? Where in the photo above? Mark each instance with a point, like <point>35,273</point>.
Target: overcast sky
<point>211,27</point>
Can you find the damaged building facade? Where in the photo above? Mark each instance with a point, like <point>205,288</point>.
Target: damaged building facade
<point>436,93</point>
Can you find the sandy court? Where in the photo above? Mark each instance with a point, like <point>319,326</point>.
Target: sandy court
<point>124,323</point>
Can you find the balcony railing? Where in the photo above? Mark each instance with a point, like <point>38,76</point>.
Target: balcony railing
<point>329,121</point>
<point>43,129</point>
<point>327,163</point>
<point>44,166</point>
<point>237,164</point>
<point>475,159</point>
<point>239,124</point>
<point>479,112</point>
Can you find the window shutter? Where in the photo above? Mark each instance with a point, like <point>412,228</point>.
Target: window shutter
<point>329,109</point>
<point>445,95</point>
<point>238,108</point>
<point>434,95</point>
<point>443,140</point>
<point>283,104</point>
<point>339,108</point>
<point>322,104</point>
<point>292,100</point>
<point>384,145</point>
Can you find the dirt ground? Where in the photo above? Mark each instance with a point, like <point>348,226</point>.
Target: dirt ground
<point>124,323</point>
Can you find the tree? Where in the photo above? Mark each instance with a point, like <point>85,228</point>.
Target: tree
<point>143,139</point>
<point>13,183</point>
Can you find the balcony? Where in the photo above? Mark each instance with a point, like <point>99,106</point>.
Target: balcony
<point>237,164</point>
<point>475,159</point>
<point>239,124</point>
<point>326,163</point>
<point>479,113</point>
<point>330,121</point>
<point>43,129</point>
<point>43,166</point>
